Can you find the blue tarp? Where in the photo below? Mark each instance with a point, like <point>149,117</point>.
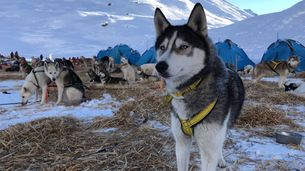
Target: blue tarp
<point>231,54</point>
<point>149,56</point>
<point>133,56</point>
<point>281,50</point>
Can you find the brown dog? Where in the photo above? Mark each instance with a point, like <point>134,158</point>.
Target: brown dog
<point>273,68</point>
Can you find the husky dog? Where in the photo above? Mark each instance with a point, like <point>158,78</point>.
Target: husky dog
<point>109,63</point>
<point>88,62</point>
<point>65,63</point>
<point>34,81</point>
<point>102,71</point>
<point>205,96</point>
<point>93,76</point>
<point>272,68</point>
<point>248,70</point>
<point>24,66</point>
<point>37,62</point>
<point>147,70</point>
<point>70,87</point>
<point>128,72</point>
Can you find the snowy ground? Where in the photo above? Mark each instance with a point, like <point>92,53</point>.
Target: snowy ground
<point>15,114</point>
<point>244,152</point>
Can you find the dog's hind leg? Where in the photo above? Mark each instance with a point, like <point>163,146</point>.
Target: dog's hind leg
<point>183,144</point>
<point>258,78</point>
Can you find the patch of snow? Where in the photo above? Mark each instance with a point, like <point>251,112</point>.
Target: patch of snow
<point>157,125</point>
<point>105,130</point>
<point>15,114</point>
<point>261,149</point>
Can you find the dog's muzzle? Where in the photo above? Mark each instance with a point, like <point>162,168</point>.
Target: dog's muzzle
<point>162,67</point>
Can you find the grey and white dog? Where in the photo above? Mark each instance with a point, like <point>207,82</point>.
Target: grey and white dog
<point>70,87</point>
<point>186,57</point>
<point>34,81</point>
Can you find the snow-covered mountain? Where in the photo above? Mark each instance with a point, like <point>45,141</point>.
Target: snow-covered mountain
<point>83,27</point>
<point>255,34</point>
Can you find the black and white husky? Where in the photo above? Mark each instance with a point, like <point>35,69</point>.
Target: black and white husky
<point>204,95</point>
<point>71,89</point>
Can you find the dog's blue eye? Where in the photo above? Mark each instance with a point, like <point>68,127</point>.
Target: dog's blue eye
<point>162,47</point>
<point>183,47</point>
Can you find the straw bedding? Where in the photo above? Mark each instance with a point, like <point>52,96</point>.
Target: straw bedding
<point>69,144</point>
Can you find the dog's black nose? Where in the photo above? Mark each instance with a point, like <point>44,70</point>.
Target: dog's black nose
<point>53,79</point>
<point>162,67</point>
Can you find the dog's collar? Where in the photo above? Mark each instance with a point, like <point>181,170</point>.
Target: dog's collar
<point>187,125</point>
<point>179,94</point>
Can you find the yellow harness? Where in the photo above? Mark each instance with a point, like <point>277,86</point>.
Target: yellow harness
<point>188,124</point>
<point>275,64</point>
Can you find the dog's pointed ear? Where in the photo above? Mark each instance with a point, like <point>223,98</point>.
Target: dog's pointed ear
<point>57,65</point>
<point>45,66</point>
<point>161,23</point>
<point>197,21</point>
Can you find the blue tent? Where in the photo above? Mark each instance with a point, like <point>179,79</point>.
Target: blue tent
<point>133,56</point>
<point>231,54</point>
<point>119,51</point>
<point>149,56</point>
<point>281,50</point>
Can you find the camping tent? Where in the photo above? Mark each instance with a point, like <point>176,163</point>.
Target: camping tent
<point>231,54</point>
<point>149,56</point>
<point>281,50</point>
<point>119,51</point>
<point>133,56</point>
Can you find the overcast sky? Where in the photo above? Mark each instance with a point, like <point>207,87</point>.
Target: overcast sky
<point>264,6</point>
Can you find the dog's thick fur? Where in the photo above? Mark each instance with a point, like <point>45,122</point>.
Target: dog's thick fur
<point>64,63</point>
<point>70,87</point>
<point>128,72</point>
<point>185,55</point>
<point>273,68</point>
<point>109,64</point>
<point>24,66</point>
<point>248,70</point>
<point>37,62</point>
<point>147,70</point>
<point>93,76</point>
<point>35,81</point>
<point>101,69</point>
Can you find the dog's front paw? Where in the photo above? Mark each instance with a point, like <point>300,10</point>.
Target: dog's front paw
<point>222,163</point>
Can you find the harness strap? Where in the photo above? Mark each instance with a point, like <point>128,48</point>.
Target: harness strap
<point>188,124</point>
<point>192,87</point>
<point>37,82</point>
<point>273,68</point>
<point>276,64</point>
